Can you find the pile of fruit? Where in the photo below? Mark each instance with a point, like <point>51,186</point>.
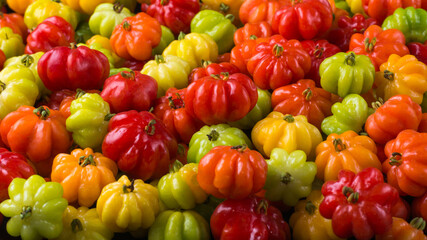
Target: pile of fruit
<point>213,119</point>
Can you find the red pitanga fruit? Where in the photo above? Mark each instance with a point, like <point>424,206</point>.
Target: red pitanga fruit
<point>174,14</point>
<point>359,204</point>
<point>129,91</point>
<point>249,218</point>
<point>73,68</point>
<point>221,98</point>
<point>171,110</point>
<point>140,144</point>
<point>303,19</point>
<point>51,33</point>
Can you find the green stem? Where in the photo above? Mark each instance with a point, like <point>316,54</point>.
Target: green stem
<point>27,60</point>
<point>310,207</point>
<point>42,112</point>
<point>131,187</point>
<point>150,128</point>
<point>350,59</point>
<point>213,136</point>
<point>159,59</point>
<point>26,212</point>
<point>418,223</point>
<point>338,145</point>
<point>76,225</point>
<point>289,118</point>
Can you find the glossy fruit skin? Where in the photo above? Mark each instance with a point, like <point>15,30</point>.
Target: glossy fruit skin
<point>168,71</point>
<point>193,48</point>
<point>358,71</point>
<point>307,214</point>
<point>278,62</point>
<point>225,7</point>
<point>105,17</point>
<point>209,137</point>
<point>410,21</point>
<point>72,68</point>
<point>402,75</point>
<point>405,165</point>
<point>42,38</point>
<point>259,30</point>
<point>395,115</point>
<point>13,165</point>
<point>172,224</point>
<point>15,22</point>
<point>140,144</point>
<point>319,50</point>
<point>289,176</point>
<point>129,91</point>
<point>38,215</point>
<point>41,9</point>
<point>18,88</point>
<point>234,172</point>
<point>348,151</point>
<point>419,50</point>
<point>210,68</point>
<point>253,11</point>
<point>401,229</point>
<point>135,37</point>
<point>179,188</point>
<point>30,61</point>
<point>234,219</point>
<point>61,100</point>
<point>305,19</point>
<point>126,206</point>
<point>378,45</point>
<point>11,43</point>
<point>303,98</point>
<point>380,9</point>
<point>83,173</point>
<point>217,26</point>
<point>39,134</point>
<point>350,114</point>
<point>88,120</point>
<point>207,97</point>
<point>171,110</point>
<point>88,219</point>
<point>174,14</point>
<point>242,53</point>
<point>354,202</point>
<point>285,131</point>
<point>346,27</point>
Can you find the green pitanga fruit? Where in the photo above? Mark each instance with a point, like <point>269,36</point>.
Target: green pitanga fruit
<point>347,73</point>
<point>179,225</point>
<point>217,26</point>
<point>35,208</point>
<point>209,137</point>
<point>350,114</point>
<point>289,176</point>
<point>89,120</point>
<point>410,21</point>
